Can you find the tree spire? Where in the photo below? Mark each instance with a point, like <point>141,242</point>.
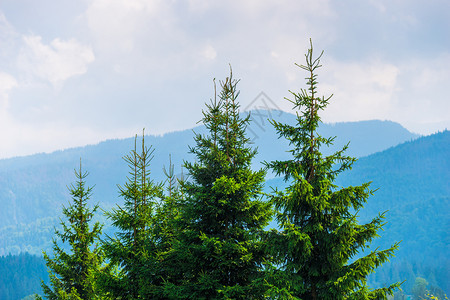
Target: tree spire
<point>71,273</point>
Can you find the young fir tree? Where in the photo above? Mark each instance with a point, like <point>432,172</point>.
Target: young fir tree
<point>72,273</point>
<point>220,251</point>
<point>168,212</point>
<point>166,229</point>
<point>132,251</point>
<point>319,233</point>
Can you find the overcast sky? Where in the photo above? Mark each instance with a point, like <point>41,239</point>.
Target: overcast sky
<point>75,72</point>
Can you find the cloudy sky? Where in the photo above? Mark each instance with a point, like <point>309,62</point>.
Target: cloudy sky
<point>75,72</point>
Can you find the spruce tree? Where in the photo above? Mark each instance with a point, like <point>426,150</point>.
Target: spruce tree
<point>319,236</point>
<point>131,252</point>
<point>167,227</point>
<point>72,273</point>
<point>168,212</point>
<point>219,250</point>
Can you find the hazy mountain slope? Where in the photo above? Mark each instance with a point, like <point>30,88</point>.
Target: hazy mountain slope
<point>407,172</point>
<point>413,181</point>
<point>20,275</point>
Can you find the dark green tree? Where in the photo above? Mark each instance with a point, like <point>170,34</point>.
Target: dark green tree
<point>319,235</point>
<point>132,251</point>
<point>219,249</point>
<point>72,273</point>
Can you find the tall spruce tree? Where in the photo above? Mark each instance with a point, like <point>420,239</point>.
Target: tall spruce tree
<point>132,251</point>
<point>219,250</point>
<point>319,235</point>
<point>72,273</point>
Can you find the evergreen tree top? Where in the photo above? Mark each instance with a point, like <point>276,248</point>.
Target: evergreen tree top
<point>71,273</point>
<point>223,212</point>
<point>306,142</point>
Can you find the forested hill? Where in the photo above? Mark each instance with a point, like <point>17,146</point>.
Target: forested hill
<point>21,275</point>
<point>413,171</point>
<point>413,182</point>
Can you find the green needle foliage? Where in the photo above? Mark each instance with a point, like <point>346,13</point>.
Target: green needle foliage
<point>219,250</point>
<point>168,213</point>
<point>131,253</point>
<point>319,234</point>
<point>72,273</point>
<point>166,229</point>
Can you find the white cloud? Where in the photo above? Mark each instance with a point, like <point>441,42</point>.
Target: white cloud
<point>411,93</point>
<point>117,25</point>
<point>200,6</point>
<point>423,103</point>
<point>362,90</point>
<point>151,35</point>
<point>55,62</point>
<point>7,82</point>
<point>7,39</point>
<point>209,52</point>
<point>24,139</point>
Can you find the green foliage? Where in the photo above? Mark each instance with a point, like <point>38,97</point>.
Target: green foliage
<point>222,214</point>
<point>167,221</point>
<point>72,273</point>
<point>131,252</point>
<point>319,232</point>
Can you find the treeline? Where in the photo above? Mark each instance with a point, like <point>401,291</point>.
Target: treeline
<point>19,275</point>
<point>420,279</point>
<point>202,236</point>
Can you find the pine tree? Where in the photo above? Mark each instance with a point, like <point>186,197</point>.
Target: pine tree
<point>220,250</point>
<point>72,273</point>
<point>319,237</point>
<point>132,251</point>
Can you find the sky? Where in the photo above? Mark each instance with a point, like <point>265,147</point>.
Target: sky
<point>76,72</point>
